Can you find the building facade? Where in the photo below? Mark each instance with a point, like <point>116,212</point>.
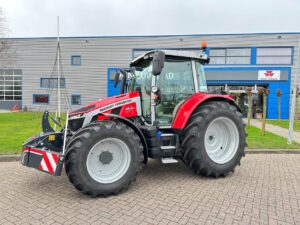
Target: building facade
<point>238,61</point>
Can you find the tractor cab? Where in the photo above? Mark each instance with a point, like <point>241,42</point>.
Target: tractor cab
<point>178,75</point>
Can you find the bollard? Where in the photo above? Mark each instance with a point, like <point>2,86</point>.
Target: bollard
<point>297,104</point>
<point>265,94</point>
<point>249,93</point>
<point>279,93</point>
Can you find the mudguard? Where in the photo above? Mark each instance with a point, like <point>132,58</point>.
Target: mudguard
<point>187,108</point>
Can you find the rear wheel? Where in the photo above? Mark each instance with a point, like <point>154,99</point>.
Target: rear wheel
<point>214,139</point>
<point>104,158</point>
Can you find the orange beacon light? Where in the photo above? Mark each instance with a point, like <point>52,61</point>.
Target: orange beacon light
<point>203,44</point>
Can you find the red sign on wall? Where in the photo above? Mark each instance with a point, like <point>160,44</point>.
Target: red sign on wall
<point>269,75</point>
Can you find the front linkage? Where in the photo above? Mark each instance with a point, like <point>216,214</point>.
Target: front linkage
<point>45,151</point>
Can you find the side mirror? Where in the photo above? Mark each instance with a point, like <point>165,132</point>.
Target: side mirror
<point>158,62</point>
<point>117,78</point>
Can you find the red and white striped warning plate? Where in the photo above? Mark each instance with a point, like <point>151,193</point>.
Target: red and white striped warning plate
<point>46,161</point>
<point>49,162</point>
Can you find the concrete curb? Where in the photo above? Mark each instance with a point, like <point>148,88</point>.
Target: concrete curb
<point>273,151</point>
<point>9,158</point>
<point>14,158</point>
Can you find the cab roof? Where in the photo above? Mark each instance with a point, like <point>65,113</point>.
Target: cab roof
<point>174,53</point>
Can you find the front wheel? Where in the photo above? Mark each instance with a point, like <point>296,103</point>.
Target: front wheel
<point>214,139</point>
<point>104,158</point>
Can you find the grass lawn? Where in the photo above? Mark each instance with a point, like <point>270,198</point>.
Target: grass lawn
<point>268,141</point>
<point>285,124</point>
<point>17,127</point>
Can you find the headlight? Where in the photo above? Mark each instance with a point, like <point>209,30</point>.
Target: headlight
<point>76,116</point>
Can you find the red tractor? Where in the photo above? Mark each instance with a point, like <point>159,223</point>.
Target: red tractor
<point>163,112</point>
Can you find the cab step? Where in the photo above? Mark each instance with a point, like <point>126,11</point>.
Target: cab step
<point>169,160</point>
<point>167,135</point>
<point>168,147</point>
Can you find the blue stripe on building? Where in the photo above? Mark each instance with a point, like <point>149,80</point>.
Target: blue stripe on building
<point>272,101</point>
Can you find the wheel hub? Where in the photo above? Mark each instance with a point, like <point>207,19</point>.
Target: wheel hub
<point>211,138</point>
<point>221,140</point>
<point>108,160</point>
<point>105,157</point>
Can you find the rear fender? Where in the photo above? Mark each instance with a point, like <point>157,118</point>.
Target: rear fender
<point>187,108</point>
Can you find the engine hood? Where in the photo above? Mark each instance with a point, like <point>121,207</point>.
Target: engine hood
<point>103,105</point>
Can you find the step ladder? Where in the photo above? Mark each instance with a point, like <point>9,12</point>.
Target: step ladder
<point>169,160</point>
<point>168,150</point>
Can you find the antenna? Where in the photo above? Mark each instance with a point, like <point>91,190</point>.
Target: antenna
<point>58,71</point>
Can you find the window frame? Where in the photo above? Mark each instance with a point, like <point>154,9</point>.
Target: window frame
<point>40,103</point>
<point>14,76</point>
<point>50,78</point>
<point>75,95</point>
<point>72,60</point>
<point>275,56</point>
<point>226,56</point>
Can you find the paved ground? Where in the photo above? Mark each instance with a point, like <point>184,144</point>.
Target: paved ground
<point>264,190</point>
<point>276,130</point>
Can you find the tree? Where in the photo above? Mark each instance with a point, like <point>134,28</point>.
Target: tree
<point>7,54</point>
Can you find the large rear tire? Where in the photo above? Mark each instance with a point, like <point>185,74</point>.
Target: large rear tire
<point>214,139</point>
<point>104,158</point>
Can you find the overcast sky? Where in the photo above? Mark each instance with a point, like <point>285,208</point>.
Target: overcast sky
<point>37,18</point>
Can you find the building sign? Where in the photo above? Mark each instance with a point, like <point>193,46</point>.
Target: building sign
<point>269,75</point>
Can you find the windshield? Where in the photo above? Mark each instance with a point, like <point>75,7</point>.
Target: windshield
<point>201,77</point>
<point>141,78</point>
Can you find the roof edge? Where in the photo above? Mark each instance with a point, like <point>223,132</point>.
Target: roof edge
<point>157,36</point>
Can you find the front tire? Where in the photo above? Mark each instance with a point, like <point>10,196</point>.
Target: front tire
<point>214,139</point>
<point>104,158</point>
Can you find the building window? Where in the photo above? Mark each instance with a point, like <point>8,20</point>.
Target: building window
<point>76,99</point>
<point>52,83</point>
<point>40,99</point>
<point>274,55</point>
<point>10,84</point>
<point>76,60</point>
<point>230,55</point>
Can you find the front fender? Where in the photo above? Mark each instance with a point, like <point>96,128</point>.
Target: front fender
<point>187,108</point>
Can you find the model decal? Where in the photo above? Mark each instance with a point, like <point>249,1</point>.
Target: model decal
<point>114,105</point>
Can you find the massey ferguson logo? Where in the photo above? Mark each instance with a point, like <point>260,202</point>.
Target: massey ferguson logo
<point>269,75</point>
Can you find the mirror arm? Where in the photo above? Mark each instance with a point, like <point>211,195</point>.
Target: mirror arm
<point>124,78</point>
<point>117,78</point>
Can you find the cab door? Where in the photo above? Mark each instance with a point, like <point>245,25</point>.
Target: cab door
<point>175,84</point>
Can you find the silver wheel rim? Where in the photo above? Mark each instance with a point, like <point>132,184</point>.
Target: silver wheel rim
<point>108,160</point>
<point>221,140</point>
